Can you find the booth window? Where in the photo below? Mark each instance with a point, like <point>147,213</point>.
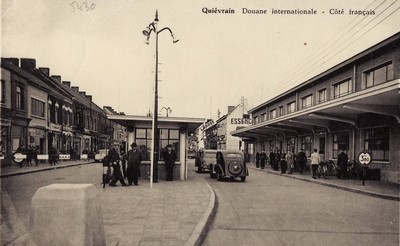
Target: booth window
<point>343,88</point>
<point>37,107</point>
<point>166,136</point>
<point>340,142</point>
<point>376,141</point>
<point>378,75</point>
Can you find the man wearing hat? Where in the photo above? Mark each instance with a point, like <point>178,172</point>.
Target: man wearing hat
<point>169,158</point>
<point>134,157</point>
<point>301,160</point>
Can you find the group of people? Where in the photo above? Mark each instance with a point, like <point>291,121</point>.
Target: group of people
<point>131,165</point>
<point>281,160</point>
<point>286,162</point>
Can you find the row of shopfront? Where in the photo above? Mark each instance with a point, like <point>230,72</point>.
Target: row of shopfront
<point>353,106</point>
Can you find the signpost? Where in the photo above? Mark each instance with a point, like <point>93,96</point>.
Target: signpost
<point>364,158</point>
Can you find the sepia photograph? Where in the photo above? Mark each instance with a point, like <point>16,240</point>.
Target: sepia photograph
<point>150,122</point>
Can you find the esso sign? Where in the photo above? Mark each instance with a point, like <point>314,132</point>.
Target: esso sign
<point>364,158</point>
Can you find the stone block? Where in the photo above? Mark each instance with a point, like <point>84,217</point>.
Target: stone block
<point>67,214</point>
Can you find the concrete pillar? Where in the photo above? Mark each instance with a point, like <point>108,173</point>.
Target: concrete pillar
<point>182,156</point>
<point>67,214</point>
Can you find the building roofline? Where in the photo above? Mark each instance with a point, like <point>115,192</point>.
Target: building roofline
<point>381,44</point>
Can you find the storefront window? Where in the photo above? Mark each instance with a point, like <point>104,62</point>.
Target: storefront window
<point>340,142</point>
<point>376,140</point>
<point>290,144</point>
<point>306,143</point>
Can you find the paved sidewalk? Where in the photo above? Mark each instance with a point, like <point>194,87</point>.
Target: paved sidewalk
<point>171,213</point>
<point>381,189</point>
<point>8,171</point>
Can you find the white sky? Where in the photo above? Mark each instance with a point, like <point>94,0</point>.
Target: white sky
<point>219,57</point>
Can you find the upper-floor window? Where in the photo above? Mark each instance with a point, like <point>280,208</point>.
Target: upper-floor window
<point>280,111</point>
<point>19,97</point>
<point>256,119</point>
<point>343,88</point>
<point>378,75</point>
<point>3,91</point>
<point>321,95</point>
<point>291,107</point>
<point>306,101</point>
<point>272,114</point>
<point>263,117</point>
<point>37,107</point>
<point>56,113</point>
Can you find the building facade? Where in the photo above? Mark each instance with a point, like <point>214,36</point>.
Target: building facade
<point>353,106</point>
<point>40,110</point>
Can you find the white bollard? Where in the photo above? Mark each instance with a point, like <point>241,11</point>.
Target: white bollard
<point>67,214</point>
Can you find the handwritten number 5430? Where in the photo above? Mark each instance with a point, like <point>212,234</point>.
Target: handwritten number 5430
<point>85,6</point>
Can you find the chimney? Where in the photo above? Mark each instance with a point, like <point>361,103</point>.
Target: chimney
<point>230,109</point>
<point>12,60</point>
<point>83,93</point>
<point>75,88</point>
<point>56,77</point>
<point>28,63</point>
<point>67,83</point>
<point>89,97</point>
<point>45,70</point>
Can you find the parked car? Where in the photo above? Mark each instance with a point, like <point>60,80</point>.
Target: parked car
<point>100,155</point>
<point>229,164</point>
<point>204,158</point>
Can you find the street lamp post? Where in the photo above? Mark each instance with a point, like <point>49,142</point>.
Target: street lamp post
<point>167,110</point>
<point>154,145</point>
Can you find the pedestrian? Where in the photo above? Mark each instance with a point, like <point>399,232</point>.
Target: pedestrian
<point>35,152</point>
<point>301,160</point>
<point>290,161</point>
<point>283,162</point>
<point>123,163</point>
<point>113,158</point>
<point>342,163</point>
<point>134,157</point>
<point>29,155</point>
<point>272,157</point>
<point>169,158</point>
<point>263,159</point>
<point>315,160</point>
<point>277,160</point>
<point>257,159</point>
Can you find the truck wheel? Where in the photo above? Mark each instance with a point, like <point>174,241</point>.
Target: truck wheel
<point>199,169</point>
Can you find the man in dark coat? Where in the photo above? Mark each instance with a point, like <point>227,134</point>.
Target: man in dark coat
<point>301,160</point>
<point>113,159</point>
<point>272,157</point>
<point>342,163</point>
<point>134,157</point>
<point>263,159</point>
<point>169,158</point>
<point>257,159</point>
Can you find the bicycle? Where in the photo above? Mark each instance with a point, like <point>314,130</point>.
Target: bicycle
<point>326,168</point>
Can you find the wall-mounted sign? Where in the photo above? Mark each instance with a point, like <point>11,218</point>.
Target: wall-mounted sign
<point>240,121</point>
<point>55,127</point>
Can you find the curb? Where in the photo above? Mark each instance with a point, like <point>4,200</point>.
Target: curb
<point>42,169</point>
<point>368,193</point>
<point>200,231</point>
